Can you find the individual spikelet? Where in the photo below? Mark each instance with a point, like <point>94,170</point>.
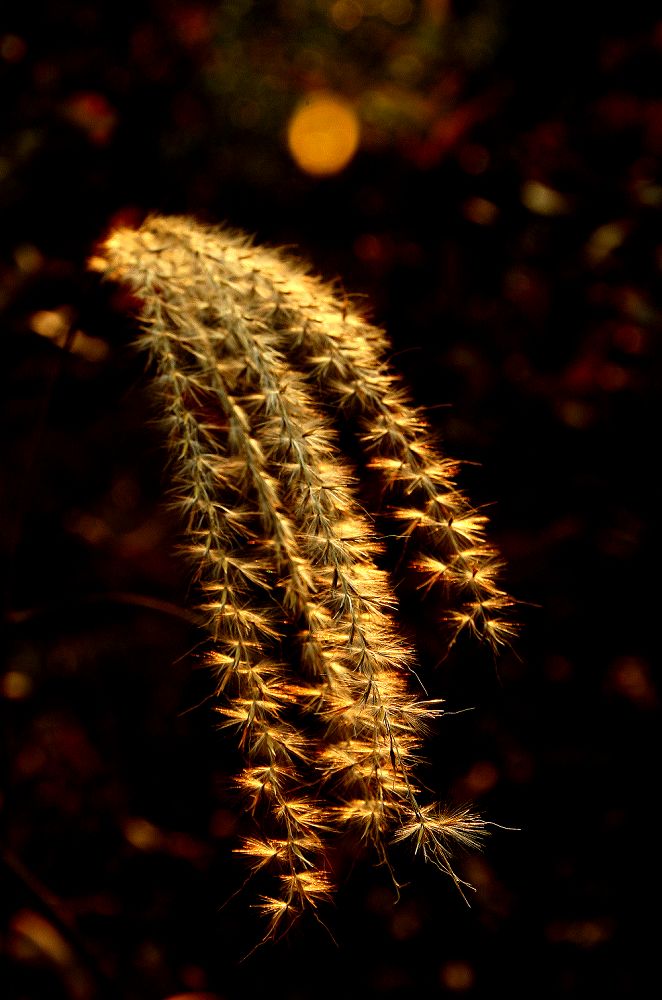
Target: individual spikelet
<point>252,355</point>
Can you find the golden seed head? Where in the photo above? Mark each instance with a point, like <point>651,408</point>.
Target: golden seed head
<point>254,358</point>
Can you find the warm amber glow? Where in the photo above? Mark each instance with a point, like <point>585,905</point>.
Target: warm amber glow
<point>323,134</point>
<point>346,14</point>
<point>55,325</point>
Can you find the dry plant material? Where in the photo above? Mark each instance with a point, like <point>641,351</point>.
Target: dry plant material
<point>254,358</point>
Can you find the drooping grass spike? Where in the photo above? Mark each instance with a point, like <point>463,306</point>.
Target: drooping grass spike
<point>253,357</point>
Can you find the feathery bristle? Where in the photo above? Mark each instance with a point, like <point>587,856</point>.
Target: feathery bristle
<point>252,355</point>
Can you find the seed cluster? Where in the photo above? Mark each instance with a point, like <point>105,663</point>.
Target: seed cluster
<point>253,359</point>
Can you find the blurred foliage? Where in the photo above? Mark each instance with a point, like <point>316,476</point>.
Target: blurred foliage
<point>502,214</point>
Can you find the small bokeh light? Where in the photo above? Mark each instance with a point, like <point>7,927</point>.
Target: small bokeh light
<point>323,134</point>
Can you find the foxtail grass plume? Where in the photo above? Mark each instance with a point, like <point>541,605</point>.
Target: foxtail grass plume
<point>255,360</point>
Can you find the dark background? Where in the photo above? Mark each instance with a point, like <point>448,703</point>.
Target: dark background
<point>502,216</point>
